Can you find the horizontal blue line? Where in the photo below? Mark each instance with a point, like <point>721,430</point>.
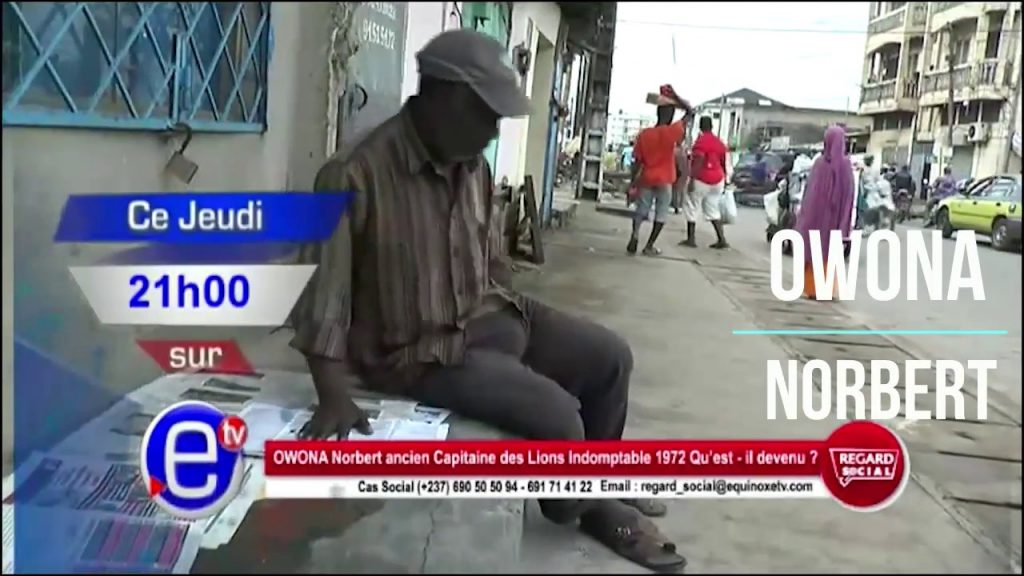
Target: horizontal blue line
<point>870,332</point>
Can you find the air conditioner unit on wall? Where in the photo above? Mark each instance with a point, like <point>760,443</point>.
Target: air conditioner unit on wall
<point>977,132</point>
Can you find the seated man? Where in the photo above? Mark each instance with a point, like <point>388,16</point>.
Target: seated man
<point>404,294</point>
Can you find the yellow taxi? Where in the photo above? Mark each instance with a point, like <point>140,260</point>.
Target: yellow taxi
<point>991,206</point>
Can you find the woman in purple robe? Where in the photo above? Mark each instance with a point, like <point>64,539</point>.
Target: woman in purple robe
<point>828,201</point>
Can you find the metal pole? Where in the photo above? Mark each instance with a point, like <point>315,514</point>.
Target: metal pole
<point>721,116</point>
<point>915,122</point>
<point>1004,163</point>
<point>951,110</point>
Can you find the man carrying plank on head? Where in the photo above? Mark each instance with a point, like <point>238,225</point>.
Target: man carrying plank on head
<point>654,170</point>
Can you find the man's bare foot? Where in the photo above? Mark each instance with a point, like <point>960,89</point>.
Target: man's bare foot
<point>627,533</point>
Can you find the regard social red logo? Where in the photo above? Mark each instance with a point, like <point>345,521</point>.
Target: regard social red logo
<point>867,466</point>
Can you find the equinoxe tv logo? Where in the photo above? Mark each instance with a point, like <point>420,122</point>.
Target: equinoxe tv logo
<point>192,459</point>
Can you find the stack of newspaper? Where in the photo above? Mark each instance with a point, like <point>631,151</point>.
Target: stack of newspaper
<point>390,420</point>
<point>90,484</point>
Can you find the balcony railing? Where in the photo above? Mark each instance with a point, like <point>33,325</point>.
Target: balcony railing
<point>890,22</point>
<point>985,73</point>
<point>918,14</point>
<point>911,88</point>
<point>886,90</point>
<point>943,6</point>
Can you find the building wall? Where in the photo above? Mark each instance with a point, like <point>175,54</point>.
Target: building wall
<point>528,20</point>
<point>972,21</point>
<point>804,126</point>
<point>890,146</point>
<point>426,20</point>
<point>538,123</point>
<point>623,128</point>
<point>42,166</point>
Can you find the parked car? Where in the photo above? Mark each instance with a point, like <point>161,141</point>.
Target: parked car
<point>747,189</point>
<point>990,206</point>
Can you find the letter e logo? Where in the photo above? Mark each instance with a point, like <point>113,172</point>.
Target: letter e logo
<point>192,459</point>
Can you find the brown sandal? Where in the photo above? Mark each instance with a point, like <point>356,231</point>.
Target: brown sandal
<point>647,506</point>
<point>635,538</point>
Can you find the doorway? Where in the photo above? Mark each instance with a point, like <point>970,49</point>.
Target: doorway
<point>539,124</point>
<point>495,20</point>
<point>962,162</point>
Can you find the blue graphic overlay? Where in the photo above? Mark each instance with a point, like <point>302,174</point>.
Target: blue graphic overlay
<point>202,218</point>
<point>186,469</point>
<point>199,254</point>
<point>53,400</point>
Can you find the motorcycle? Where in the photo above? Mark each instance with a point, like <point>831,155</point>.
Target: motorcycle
<point>881,209</point>
<point>782,205</point>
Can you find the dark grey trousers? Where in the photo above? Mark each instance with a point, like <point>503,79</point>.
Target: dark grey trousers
<point>557,377</point>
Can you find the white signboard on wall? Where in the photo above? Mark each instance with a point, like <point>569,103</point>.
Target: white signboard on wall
<point>780,143</point>
<point>375,89</point>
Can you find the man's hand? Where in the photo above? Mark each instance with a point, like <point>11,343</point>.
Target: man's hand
<point>336,417</point>
<point>336,413</point>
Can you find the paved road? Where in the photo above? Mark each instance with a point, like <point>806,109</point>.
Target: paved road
<point>1001,310</point>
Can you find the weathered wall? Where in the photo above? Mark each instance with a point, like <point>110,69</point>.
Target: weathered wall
<point>798,120</point>
<point>426,20</point>
<point>528,20</point>
<point>538,126</point>
<point>890,146</point>
<point>42,166</point>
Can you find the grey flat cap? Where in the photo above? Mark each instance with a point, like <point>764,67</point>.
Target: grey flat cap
<point>465,55</point>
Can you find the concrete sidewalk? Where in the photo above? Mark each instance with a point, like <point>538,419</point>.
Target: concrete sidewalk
<point>694,379</point>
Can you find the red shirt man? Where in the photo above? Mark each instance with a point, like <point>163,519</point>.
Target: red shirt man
<point>709,154</point>
<point>707,182</point>
<point>655,153</point>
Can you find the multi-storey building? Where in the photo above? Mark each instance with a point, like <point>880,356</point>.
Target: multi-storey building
<point>929,62</point>
<point>748,120</point>
<point>623,128</point>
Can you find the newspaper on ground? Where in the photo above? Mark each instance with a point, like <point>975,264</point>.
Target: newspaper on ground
<point>91,485</point>
<point>90,542</point>
<point>219,530</point>
<point>92,482</point>
<point>107,520</point>
<point>120,428</point>
<point>263,422</point>
<point>390,420</point>
<point>8,538</point>
<point>383,429</point>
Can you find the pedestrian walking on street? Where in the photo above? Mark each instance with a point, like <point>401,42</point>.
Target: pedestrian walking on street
<point>827,203</point>
<point>682,177</point>
<point>703,196</point>
<point>626,158</point>
<point>869,183</point>
<point>654,170</point>
<point>406,294</point>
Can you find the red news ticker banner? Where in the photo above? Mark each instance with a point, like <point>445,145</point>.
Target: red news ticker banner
<point>633,458</point>
<point>863,464</point>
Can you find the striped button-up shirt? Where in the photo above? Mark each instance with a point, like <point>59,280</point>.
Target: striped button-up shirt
<point>409,263</point>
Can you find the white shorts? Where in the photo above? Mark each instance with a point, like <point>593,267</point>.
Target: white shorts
<point>704,199</point>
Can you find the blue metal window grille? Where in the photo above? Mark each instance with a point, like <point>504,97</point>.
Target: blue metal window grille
<point>136,65</point>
